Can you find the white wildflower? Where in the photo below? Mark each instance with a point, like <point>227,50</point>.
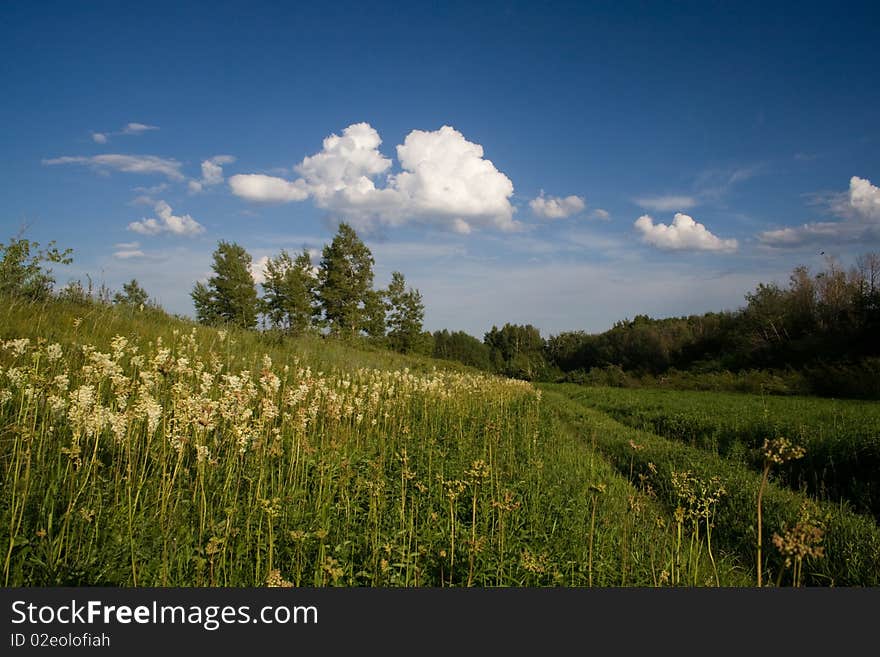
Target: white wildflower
<point>17,347</point>
<point>54,352</point>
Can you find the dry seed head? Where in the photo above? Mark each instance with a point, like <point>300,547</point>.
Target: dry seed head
<point>534,563</point>
<point>802,540</point>
<point>635,504</point>
<point>478,471</point>
<point>507,502</point>
<point>215,545</point>
<point>275,580</point>
<point>779,450</point>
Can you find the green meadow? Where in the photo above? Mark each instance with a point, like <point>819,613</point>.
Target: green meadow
<point>137,449</point>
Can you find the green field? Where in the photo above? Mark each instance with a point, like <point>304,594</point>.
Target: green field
<point>841,437</point>
<point>849,541</point>
<point>141,450</point>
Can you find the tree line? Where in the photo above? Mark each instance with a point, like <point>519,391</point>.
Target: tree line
<point>818,332</point>
<point>337,297</point>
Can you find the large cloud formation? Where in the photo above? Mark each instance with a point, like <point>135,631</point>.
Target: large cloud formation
<point>682,234</point>
<point>444,180</point>
<point>859,213</point>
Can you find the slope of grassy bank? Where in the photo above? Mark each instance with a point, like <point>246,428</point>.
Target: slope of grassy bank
<point>850,543</point>
<point>841,437</point>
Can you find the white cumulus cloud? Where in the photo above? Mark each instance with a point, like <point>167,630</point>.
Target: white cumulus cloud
<point>602,215</point>
<point>346,162</point>
<point>144,164</point>
<point>267,189</point>
<point>864,199</point>
<point>682,234</point>
<point>258,270</point>
<point>667,203</point>
<point>556,207</point>
<point>858,209</point>
<point>444,180</point>
<point>212,173</point>
<point>167,222</point>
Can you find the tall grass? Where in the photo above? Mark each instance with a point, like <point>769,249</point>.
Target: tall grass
<point>841,437</point>
<point>850,541</point>
<point>141,450</point>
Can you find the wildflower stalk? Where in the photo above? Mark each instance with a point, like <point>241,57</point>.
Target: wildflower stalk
<point>777,450</point>
<point>765,474</point>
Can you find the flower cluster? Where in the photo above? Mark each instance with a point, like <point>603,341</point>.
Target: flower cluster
<point>205,407</point>
<point>780,450</point>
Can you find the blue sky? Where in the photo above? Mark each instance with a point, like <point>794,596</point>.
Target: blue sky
<point>566,165</point>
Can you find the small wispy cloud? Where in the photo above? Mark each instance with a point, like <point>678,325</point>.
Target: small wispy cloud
<point>143,164</point>
<point>129,251</point>
<point>138,128</point>
<point>129,254</point>
<point>154,189</point>
<point>600,214</point>
<point>128,129</point>
<point>709,186</point>
<point>715,184</point>
<point>142,199</point>
<point>666,203</point>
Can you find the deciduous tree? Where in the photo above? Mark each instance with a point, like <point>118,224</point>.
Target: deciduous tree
<point>230,295</point>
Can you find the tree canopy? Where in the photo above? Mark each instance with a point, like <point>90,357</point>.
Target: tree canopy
<point>406,312</point>
<point>132,294</point>
<point>23,267</point>
<point>345,277</point>
<point>289,292</point>
<point>230,295</point>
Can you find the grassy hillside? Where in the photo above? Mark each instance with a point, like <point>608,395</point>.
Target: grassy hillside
<point>142,449</point>
<point>138,449</point>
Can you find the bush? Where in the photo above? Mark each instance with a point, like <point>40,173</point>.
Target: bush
<point>23,269</point>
